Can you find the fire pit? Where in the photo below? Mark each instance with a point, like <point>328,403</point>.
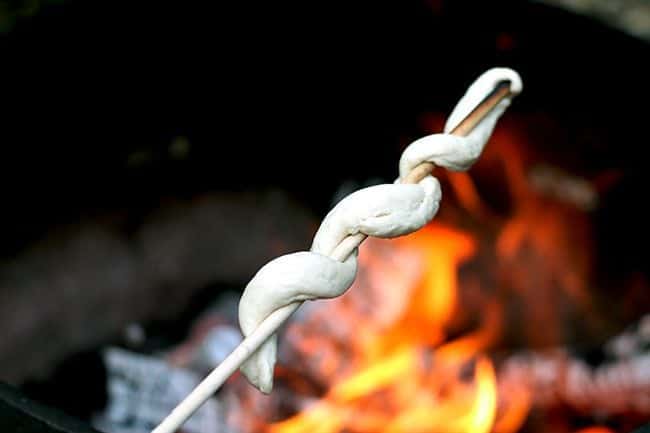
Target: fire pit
<point>521,308</point>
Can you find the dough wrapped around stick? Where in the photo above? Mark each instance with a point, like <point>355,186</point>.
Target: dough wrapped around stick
<point>384,211</point>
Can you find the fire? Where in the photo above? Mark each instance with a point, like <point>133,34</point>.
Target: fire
<point>404,350</point>
<point>376,376</point>
<point>404,379</point>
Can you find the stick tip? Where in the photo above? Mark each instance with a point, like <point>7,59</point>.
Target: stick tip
<point>499,74</point>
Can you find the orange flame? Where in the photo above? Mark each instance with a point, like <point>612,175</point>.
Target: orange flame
<point>401,372</point>
<point>393,389</point>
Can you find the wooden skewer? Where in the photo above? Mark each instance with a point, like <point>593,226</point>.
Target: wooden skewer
<point>272,323</point>
<point>501,91</point>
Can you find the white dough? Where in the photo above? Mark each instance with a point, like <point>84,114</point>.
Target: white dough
<point>383,211</point>
<point>459,153</point>
<point>293,277</point>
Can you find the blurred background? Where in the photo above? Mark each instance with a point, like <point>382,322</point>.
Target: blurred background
<point>156,154</point>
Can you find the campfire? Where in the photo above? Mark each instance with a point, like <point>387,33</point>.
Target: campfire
<point>460,326</point>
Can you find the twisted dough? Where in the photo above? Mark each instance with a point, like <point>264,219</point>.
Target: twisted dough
<point>383,211</point>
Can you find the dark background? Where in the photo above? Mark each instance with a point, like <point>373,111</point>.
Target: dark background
<point>289,94</point>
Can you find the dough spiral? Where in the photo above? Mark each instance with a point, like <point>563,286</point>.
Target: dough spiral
<point>384,211</point>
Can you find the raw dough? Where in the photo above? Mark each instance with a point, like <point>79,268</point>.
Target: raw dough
<point>383,211</point>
